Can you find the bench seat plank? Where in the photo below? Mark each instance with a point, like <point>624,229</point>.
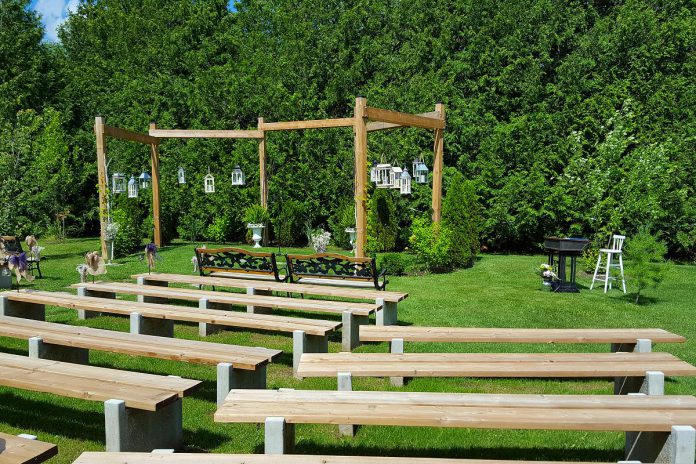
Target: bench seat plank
<point>322,306</point>
<point>515,335</point>
<point>304,289</point>
<point>241,357</point>
<point>18,450</point>
<point>492,364</point>
<point>530,412</point>
<point>176,313</point>
<point>196,458</point>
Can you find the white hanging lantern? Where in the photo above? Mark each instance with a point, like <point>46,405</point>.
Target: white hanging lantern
<point>132,188</point>
<point>119,182</point>
<point>209,183</point>
<point>396,177</point>
<point>144,180</point>
<point>420,171</point>
<point>405,182</point>
<point>373,172</point>
<point>385,176</point>
<point>237,176</point>
<point>181,175</point>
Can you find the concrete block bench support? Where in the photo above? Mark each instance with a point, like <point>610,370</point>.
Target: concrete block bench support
<point>279,436</point>
<point>652,384</point>
<point>151,299</point>
<point>303,342</point>
<point>129,429</point>
<point>396,346</point>
<point>228,378</point>
<point>642,345</point>
<point>21,309</point>
<point>84,314</point>
<point>41,350</point>
<point>675,447</point>
<point>151,326</point>
<point>388,314</point>
<point>351,330</point>
<point>205,329</point>
<point>258,309</point>
<point>345,383</point>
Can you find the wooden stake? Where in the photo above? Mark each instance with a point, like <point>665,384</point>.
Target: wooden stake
<point>438,150</point>
<point>360,128</point>
<point>263,181</point>
<point>154,157</point>
<point>101,170</point>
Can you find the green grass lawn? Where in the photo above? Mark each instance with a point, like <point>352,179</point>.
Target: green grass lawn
<point>499,291</point>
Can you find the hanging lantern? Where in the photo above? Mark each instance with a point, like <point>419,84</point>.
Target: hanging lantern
<point>237,176</point>
<point>373,172</point>
<point>119,182</point>
<point>385,176</point>
<point>396,177</point>
<point>209,183</point>
<point>132,188</point>
<point>405,182</point>
<point>144,180</point>
<point>420,171</point>
<point>181,175</point>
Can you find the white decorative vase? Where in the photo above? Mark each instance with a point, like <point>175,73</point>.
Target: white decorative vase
<point>351,236</point>
<point>256,233</point>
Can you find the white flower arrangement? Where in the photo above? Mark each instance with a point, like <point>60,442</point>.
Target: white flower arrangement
<point>546,272</point>
<point>320,240</point>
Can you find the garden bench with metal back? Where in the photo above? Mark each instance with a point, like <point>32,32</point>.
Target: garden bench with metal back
<point>335,269</point>
<point>237,262</point>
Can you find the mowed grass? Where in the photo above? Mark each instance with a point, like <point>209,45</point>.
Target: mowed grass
<point>499,291</point>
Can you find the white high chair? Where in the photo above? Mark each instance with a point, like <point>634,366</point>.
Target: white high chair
<point>616,244</point>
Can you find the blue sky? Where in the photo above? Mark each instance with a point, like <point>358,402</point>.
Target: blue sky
<point>55,12</point>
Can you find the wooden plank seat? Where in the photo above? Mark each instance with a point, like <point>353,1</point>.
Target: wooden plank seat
<point>353,314</point>
<point>633,372</point>
<point>24,449</point>
<point>335,269</point>
<point>656,426</point>
<point>238,262</point>
<point>237,366</point>
<point>142,411</point>
<point>309,335</point>
<point>386,300</point>
<point>217,458</point>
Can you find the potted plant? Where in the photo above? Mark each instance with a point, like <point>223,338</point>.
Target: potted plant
<point>256,217</point>
<point>545,271</point>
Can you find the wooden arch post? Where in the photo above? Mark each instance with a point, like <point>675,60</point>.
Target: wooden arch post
<point>101,172</point>
<point>360,128</point>
<point>154,159</point>
<point>438,163</point>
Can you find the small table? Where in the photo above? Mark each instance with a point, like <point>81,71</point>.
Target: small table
<point>565,248</point>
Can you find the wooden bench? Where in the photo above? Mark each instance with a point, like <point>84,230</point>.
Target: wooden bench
<point>237,366</point>
<point>238,262</point>
<point>353,314</point>
<point>387,300</point>
<point>309,335</point>
<point>24,449</point>
<point>335,269</point>
<point>632,372</point>
<point>217,458</point>
<point>655,425</point>
<point>142,411</point>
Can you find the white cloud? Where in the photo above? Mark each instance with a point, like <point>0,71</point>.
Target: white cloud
<point>53,14</point>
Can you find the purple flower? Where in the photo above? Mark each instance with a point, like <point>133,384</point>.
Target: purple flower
<point>18,262</point>
<point>151,248</point>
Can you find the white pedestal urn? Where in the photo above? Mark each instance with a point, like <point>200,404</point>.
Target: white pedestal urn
<point>351,236</point>
<point>256,233</point>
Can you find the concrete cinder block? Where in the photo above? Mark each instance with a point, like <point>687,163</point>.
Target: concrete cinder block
<point>153,283</point>
<point>258,309</point>
<point>305,343</point>
<point>84,314</point>
<point>396,346</point>
<point>40,350</point>
<point>345,383</point>
<point>151,326</point>
<point>130,429</point>
<point>21,309</point>
<point>675,447</point>
<point>205,329</point>
<point>279,436</point>
<point>388,314</point>
<point>351,330</point>
<point>229,378</point>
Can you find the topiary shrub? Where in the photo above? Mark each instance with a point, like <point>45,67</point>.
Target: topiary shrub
<point>432,243</point>
<point>461,215</point>
<point>339,222</point>
<point>382,222</point>
<point>288,224</point>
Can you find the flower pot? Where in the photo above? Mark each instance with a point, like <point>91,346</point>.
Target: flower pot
<point>351,235</point>
<point>256,233</point>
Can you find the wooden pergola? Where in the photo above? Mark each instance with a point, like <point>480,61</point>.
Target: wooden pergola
<point>365,119</point>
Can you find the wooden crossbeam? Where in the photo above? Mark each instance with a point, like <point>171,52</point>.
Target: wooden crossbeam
<point>205,134</point>
<point>125,134</point>
<point>403,119</point>
<point>309,124</point>
<point>378,125</point>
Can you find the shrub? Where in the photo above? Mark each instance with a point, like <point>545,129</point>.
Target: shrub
<point>288,224</point>
<point>130,233</point>
<point>339,222</point>
<point>432,243</point>
<point>191,227</point>
<point>395,263</point>
<point>382,222</point>
<point>460,214</point>
<point>645,253</point>
<point>218,230</point>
